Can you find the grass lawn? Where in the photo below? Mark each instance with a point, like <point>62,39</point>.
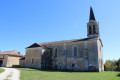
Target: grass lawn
<point>34,74</point>
<point>1,70</point>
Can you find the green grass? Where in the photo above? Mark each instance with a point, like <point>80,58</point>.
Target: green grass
<point>34,74</point>
<point>1,70</point>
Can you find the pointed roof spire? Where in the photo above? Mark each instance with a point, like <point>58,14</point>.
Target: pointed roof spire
<point>92,17</point>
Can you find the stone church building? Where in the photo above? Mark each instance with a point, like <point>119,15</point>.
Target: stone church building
<point>77,55</point>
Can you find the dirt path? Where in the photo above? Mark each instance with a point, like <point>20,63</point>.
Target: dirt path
<point>10,74</point>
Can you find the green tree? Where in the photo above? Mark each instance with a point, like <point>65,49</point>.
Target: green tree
<point>110,65</point>
<point>118,64</point>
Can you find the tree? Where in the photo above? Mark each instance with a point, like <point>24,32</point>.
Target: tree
<point>110,65</point>
<point>118,64</point>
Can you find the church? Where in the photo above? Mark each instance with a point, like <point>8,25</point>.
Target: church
<point>75,55</point>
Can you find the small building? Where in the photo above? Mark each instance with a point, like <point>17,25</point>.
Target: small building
<point>78,55</point>
<point>10,59</point>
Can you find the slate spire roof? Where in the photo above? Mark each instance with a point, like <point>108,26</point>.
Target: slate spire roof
<point>92,17</point>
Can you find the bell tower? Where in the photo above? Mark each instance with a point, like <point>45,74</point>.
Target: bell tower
<point>92,26</point>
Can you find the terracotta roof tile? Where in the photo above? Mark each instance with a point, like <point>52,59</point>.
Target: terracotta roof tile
<point>57,42</point>
<point>12,53</point>
<point>64,41</point>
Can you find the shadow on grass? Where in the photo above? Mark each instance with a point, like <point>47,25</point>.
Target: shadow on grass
<point>118,75</point>
<point>53,70</point>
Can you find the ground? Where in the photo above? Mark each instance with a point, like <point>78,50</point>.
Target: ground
<point>9,74</point>
<point>35,74</point>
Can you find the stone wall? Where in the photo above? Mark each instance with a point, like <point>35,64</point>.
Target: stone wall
<point>86,59</point>
<point>22,63</point>
<point>10,61</point>
<point>13,61</point>
<point>87,54</point>
<point>100,54</point>
<point>4,59</point>
<point>33,54</point>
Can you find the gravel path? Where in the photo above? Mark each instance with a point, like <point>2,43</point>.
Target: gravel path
<point>10,74</point>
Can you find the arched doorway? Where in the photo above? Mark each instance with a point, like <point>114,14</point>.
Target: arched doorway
<point>1,62</point>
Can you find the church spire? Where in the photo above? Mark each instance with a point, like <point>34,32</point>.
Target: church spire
<point>92,17</point>
<point>92,26</point>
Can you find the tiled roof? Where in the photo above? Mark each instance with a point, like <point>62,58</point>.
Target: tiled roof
<point>12,53</point>
<point>58,42</point>
<point>65,41</point>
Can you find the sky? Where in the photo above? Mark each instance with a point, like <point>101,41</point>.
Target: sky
<point>24,22</point>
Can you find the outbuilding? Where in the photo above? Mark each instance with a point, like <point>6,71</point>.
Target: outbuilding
<point>10,58</point>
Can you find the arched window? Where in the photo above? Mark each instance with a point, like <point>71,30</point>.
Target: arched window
<point>90,30</point>
<point>73,65</point>
<point>94,31</point>
<point>56,52</point>
<point>75,52</point>
<point>32,62</point>
<point>100,48</point>
<point>101,63</point>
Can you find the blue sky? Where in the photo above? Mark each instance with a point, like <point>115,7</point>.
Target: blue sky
<point>24,22</point>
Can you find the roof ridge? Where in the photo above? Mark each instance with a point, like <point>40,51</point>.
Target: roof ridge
<point>60,41</point>
<point>9,51</point>
<point>45,43</point>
